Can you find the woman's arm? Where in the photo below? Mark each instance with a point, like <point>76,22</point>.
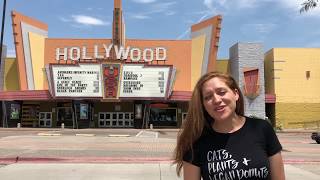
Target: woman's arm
<point>276,167</point>
<point>190,171</point>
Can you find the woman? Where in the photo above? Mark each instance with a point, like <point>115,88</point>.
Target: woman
<point>218,142</point>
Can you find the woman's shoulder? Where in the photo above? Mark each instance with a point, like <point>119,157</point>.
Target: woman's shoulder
<point>256,122</point>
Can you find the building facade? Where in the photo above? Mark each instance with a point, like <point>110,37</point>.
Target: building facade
<point>247,67</point>
<point>293,76</point>
<point>108,83</point>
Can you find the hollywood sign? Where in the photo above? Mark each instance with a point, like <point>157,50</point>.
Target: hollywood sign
<point>135,54</point>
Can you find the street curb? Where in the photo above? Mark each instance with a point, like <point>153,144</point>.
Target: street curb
<point>49,134</point>
<point>118,135</point>
<point>11,160</point>
<point>86,135</point>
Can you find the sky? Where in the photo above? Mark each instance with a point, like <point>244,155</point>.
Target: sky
<point>274,23</point>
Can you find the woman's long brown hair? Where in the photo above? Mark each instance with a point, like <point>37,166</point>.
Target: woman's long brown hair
<point>195,121</point>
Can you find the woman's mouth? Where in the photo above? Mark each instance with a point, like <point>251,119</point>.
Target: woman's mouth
<point>219,109</point>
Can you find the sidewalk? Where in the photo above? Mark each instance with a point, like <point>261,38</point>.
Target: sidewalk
<point>146,171</point>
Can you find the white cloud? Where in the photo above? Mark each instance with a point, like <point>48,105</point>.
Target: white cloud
<point>144,1</point>
<point>140,16</point>
<point>11,53</point>
<point>296,4</point>
<point>260,28</point>
<point>247,3</point>
<point>161,7</point>
<point>215,5</point>
<point>208,4</point>
<point>225,6</point>
<point>88,20</point>
<point>63,19</point>
<point>186,32</point>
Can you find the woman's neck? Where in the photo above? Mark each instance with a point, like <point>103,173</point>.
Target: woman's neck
<point>229,125</point>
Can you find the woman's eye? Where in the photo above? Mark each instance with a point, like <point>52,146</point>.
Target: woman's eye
<point>221,93</point>
<point>207,97</point>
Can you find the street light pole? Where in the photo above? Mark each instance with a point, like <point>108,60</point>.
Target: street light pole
<point>2,26</point>
<point>4,114</point>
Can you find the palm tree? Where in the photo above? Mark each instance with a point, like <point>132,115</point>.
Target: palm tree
<point>308,4</point>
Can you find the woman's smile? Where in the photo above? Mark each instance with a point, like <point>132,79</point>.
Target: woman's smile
<point>219,108</point>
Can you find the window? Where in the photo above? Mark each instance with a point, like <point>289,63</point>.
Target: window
<point>126,115</point>
<point>163,116</point>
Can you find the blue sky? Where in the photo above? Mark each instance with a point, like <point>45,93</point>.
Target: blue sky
<point>275,23</point>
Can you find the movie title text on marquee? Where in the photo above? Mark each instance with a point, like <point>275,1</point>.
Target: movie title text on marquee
<point>77,81</point>
<point>140,81</point>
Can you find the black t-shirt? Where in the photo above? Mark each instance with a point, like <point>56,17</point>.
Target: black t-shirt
<point>242,154</point>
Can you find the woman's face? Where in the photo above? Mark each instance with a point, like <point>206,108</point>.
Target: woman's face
<point>218,99</point>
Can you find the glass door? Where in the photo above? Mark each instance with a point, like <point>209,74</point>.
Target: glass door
<point>65,115</point>
<point>45,119</point>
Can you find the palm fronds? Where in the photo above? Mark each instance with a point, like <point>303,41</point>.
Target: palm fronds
<point>307,5</point>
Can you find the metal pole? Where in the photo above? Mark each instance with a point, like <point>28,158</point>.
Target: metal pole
<point>2,26</point>
<point>1,44</point>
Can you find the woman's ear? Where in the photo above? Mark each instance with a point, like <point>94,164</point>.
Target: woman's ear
<point>236,92</point>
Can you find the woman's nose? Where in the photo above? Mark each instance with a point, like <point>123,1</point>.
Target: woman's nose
<point>216,98</point>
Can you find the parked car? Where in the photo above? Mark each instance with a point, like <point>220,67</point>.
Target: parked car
<point>316,136</point>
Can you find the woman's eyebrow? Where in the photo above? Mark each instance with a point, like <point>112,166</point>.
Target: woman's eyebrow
<point>220,88</point>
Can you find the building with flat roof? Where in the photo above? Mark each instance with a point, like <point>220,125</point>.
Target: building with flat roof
<point>292,76</point>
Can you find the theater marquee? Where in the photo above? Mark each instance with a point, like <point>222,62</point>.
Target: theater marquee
<point>145,81</point>
<point>83,80</point>
<point>103,80</point>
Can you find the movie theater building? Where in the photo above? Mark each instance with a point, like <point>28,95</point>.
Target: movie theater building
<point>103,83</point>
<point>293,74</point>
